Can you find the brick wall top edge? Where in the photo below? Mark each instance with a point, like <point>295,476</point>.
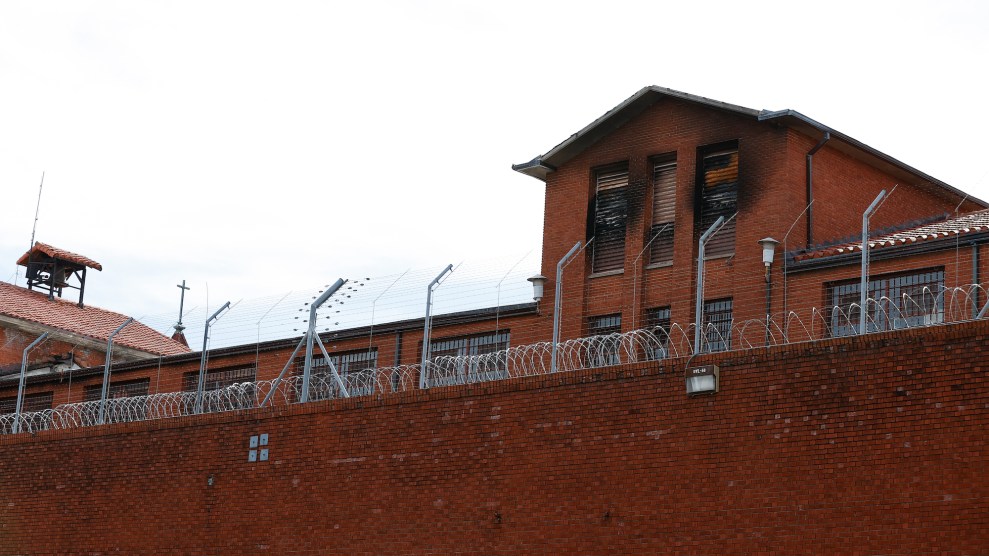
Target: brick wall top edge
<point>671,369</point>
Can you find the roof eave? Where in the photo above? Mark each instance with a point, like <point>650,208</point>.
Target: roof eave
<point>535,168</point>
<point>612,120</point>
<point>122,350</point>
<point>888,252</point>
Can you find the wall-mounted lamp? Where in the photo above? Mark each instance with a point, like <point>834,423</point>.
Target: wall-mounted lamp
<point>768,254</point>
<point>702,380</point>
<point>538,282</point>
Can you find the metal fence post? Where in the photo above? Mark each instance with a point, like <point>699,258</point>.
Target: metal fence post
<point>557,304</point>
<point>20,384</point>
<point>106,369</point>
<point>201,384</point>
<point>423,383</point>
<point>864,294</point>
<point>699,304</point>
<point>310,334</point>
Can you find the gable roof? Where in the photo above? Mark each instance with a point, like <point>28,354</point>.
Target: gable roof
<point>540,166</point>
<point>56,253</point>
<point>92,323</point>
<point>925,235</point>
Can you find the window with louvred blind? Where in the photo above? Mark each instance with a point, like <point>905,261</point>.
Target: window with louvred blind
<point>719,197</point>
<point>663,209</point>
<point>610,218</point>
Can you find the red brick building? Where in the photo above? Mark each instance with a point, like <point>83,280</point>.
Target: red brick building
<point>77,333</point>
<point>651,175</point>
<point>846,444</point>
<point>637,187</point>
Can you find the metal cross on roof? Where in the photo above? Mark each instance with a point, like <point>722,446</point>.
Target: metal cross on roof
<point>182,286</point>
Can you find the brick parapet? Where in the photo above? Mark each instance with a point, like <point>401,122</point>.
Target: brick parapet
<point>869,444</point>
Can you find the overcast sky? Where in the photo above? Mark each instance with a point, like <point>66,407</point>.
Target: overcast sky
<point>266,147</point>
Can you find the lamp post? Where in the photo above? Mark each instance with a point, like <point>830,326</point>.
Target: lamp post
<point>768,254</point>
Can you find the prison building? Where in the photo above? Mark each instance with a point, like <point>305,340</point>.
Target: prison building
<point>633,192</point>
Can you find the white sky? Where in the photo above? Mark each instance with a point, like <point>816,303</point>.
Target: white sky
<point>266,147</point>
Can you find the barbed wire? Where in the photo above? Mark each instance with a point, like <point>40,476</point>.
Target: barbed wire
<point>929,308</point>
<point>485,285</point>
<point>365,301</point>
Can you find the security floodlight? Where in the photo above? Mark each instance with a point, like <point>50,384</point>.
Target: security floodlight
<point>538,282</point>
<point>702,380</point>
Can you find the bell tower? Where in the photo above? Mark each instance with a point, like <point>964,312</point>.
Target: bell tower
<point>52,270</point>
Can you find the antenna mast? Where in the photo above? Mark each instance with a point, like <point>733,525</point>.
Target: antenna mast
<point>37,209</point>
<point>34,227</point>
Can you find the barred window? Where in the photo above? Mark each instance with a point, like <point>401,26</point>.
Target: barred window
<point>356,370</point>
<point>454,347</point>
<point>453,367</point>
<point>218,378</point>
<point>717,324</point>
<point>899,300</point>
<point>346,362</point>
<point>604,350</point>
<point>478,344</point>
<point>664,185</point>
<point>719,196</point>
<point>610,217</point>
<point>125,389</point>
<point>606,324</point>
<point>658,322</point>
<point>32,402</point>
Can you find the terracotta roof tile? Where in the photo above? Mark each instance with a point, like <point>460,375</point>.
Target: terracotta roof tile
<point>967,224</point>
<point>56,253</point>
<point>21,303</point>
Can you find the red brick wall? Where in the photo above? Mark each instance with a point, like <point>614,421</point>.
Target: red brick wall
<point>772,194</point>
<point>844,187</point>
<point>806,290</point>
<point>668,126</point>
<point>13,342</point>
<point>857,445</point>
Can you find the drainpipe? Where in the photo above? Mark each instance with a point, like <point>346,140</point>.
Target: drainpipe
<point>810,186</point>
<point>975,279</point>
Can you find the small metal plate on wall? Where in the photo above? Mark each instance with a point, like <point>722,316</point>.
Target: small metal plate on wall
<point>255,455</point>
